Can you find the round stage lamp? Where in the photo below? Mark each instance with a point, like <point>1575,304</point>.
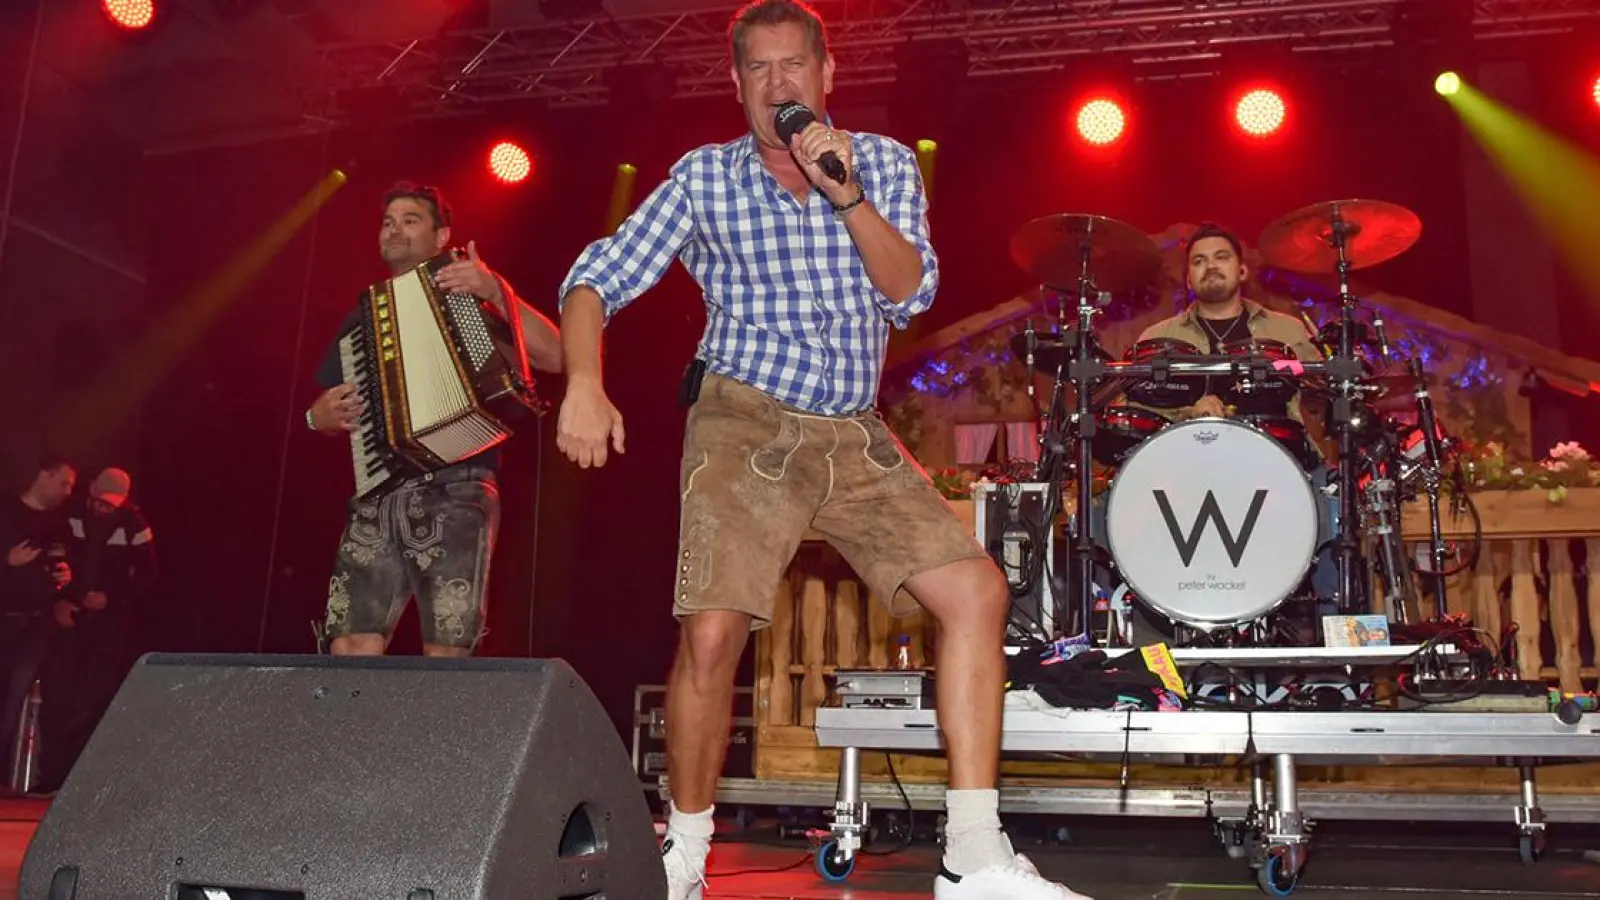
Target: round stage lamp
<point>1447,83</point>
<point>1100,122</point>
<point>130,14</point>
<point>1260,112</point>
<point>509,163</point>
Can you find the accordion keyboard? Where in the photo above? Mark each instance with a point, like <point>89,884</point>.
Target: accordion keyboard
<point>372,463</point>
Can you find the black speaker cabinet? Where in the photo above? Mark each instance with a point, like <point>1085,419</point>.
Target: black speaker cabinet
<point>333,778</point>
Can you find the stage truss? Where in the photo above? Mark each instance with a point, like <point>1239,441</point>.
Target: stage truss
<point>582,61</point>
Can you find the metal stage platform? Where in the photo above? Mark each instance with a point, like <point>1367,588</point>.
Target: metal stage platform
<point>1273,820</point>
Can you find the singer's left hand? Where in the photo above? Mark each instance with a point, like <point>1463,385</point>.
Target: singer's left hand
<point>470,276</point>
<point>809,145</point>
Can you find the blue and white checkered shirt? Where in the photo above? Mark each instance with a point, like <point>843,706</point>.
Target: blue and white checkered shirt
<point>789,307</point>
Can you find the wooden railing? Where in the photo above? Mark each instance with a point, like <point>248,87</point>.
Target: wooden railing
<point>825,620</point>
<point>1528,541</point>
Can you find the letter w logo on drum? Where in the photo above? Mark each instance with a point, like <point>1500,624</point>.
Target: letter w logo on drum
<point>1210,510</point>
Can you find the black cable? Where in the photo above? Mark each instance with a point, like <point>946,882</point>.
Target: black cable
<point>911,814</point>
<point>791,867</point>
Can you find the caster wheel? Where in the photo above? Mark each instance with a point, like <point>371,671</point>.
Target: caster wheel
<point>829,864</point>
<point>1273,881</point>
<point>1530,848</point>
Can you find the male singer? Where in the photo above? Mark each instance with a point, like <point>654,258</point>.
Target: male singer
<point>803,275</point>
<point>431,536</point>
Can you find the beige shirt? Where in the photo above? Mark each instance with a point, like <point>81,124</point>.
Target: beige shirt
<point>1263,323</point>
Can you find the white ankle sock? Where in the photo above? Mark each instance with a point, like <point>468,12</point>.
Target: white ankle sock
<point>973,839</point>
<point>692,830</point>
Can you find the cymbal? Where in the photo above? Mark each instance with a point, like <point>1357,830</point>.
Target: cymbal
<point>1051,249</point>
<point>1374,232</point>
<point>1388,393</point>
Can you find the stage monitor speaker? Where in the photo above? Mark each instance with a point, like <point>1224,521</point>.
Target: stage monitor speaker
<point>338,778</point>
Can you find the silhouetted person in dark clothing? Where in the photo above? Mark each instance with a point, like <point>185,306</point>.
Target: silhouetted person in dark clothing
<point>111,549</point>
<point>33,579</point>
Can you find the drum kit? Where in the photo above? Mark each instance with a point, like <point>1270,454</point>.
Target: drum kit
<point>1215,523</point>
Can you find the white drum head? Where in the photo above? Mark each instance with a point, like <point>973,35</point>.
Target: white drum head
<point>1212,523</point>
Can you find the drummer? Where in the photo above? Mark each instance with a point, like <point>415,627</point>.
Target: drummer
<point>1220,315</point>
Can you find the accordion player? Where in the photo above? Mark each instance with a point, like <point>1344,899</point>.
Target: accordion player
<point>444,375</point>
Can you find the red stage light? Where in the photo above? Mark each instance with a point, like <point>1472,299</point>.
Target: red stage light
<point>509,163</point>
<point>130,14</point>
<point>1260,112</point>
<point>1595,91</point>
<point>1100,122</point>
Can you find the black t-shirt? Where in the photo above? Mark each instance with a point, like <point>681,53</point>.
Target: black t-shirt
<point>331,374</point>
<point>30,588</point>
<point>1231,331</point>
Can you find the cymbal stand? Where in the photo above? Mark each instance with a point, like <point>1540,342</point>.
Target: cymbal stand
<point>1345,371</point>
<point>1084,371</point>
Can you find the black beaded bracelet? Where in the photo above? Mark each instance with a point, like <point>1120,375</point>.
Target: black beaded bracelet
<point>861,196</point>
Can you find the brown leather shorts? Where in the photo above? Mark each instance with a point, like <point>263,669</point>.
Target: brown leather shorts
<point>757,474</point>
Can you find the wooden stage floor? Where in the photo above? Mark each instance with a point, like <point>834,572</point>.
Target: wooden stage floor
<point>1129,860</point>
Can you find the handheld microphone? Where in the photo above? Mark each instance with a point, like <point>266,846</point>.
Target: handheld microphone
<point>790,119</point>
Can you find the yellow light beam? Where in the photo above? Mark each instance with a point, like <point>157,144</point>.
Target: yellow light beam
<point>621,197</point>
<point>1559,182</point>
<point>144,365</point>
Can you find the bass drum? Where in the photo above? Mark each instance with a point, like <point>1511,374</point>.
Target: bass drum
<point>1212,523</point>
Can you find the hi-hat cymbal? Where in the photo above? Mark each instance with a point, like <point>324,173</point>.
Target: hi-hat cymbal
<point>1385,392</point>
<point>1374,232</point>
<point>1052,249</point>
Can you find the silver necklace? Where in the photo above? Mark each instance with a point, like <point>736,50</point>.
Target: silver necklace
<point>1220,338</point>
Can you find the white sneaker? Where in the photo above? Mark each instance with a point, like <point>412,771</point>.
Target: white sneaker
<point>1016,880</point>
<point>686,876</point>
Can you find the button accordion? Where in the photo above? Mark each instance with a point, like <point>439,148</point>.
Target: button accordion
<point>444,376</point>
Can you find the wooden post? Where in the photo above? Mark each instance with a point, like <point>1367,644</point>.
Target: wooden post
<point>1564,622</point>
<point>778,683</point>
<point>1525,609</point>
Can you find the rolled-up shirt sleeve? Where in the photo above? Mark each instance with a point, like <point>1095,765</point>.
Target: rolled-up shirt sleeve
<point>624,265</point>
<point>904,205</point>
